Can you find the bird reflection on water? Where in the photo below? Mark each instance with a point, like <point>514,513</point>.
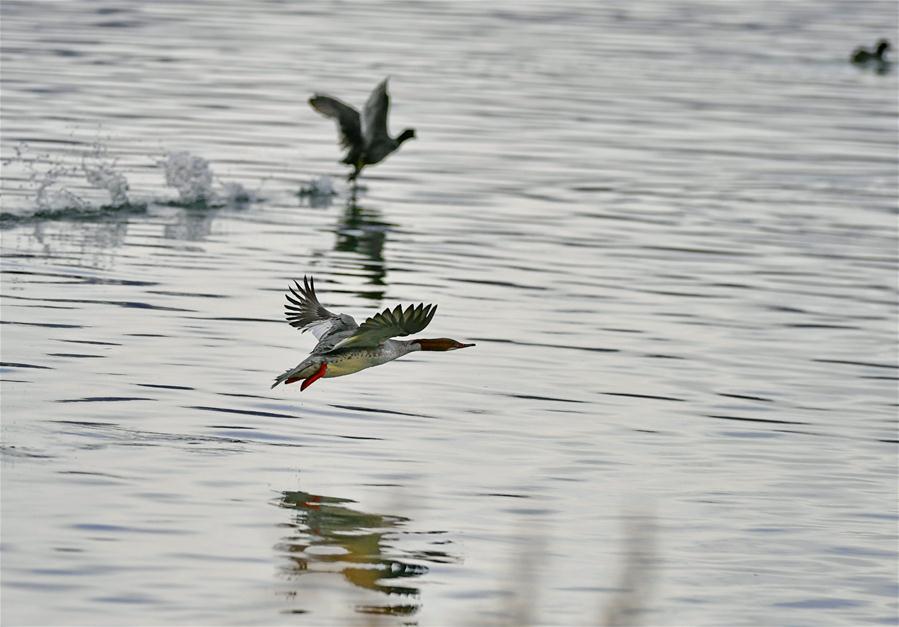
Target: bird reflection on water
<point>363,231</point>
<point>329,537</point>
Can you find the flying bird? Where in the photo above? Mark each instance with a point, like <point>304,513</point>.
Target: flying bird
<point>364,137</point>
<point>345,347</point>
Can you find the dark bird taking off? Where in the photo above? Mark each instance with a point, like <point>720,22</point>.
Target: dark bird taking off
<point>863,55</point>
<point>365,137</point>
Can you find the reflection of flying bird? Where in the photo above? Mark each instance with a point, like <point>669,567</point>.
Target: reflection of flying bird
<point>363,231</point>
<point>345,347</point>
<point>365,137</point>
<point>363,549</point>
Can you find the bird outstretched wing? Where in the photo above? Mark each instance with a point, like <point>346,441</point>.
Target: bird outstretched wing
<point>374,114</point>
<point>348,124</point>
<point>304,312</point>
<point>389,323</point>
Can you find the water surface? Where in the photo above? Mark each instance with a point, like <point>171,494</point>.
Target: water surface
<point>670,228</point>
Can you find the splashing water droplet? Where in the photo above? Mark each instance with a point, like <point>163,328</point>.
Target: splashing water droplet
<point>236,193</point>
<point>321,186</point>
<point>193,178</point>
<point>190,175</point>
<point>54,183</point>
<point>102,174</point>
<point>50,193</point>
<point>318,191</point>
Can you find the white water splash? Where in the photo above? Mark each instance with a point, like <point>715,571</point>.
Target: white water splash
<point>50,192</point>
<point>318,191</point>
<point>54,183</point>
<point>101,172</point>
<point>90,180</point>
<point>195,182</point>
<point>190,175</point>
<point>235,193</point>
<point>321,186</point>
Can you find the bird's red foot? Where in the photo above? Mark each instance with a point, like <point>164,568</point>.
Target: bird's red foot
<point>318,375</point>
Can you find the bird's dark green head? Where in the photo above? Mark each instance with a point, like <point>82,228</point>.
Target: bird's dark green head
<point>409,133</point>
<point>882,46</point>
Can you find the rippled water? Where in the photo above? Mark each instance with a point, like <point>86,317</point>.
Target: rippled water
<point>670,227</point>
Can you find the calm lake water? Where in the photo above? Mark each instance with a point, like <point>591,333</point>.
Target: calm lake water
<point>670,228</point>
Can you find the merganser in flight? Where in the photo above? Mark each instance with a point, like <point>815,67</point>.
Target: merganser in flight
<point>365,137</point>
<point>345,347</point>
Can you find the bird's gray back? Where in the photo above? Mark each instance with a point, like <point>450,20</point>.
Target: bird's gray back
<point>341,330</point>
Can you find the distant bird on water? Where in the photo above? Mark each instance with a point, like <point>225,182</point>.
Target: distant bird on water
<point>863,55</point>
<point>365,137</point>
<point>345,347</point>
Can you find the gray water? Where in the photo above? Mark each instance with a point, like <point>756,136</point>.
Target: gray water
<point>670,228</point>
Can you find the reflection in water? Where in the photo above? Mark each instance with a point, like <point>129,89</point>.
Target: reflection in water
<point>363,232</point>
<point>94,236</point>
<point>330,537</point>
<point>94,243</point>
<point>360,231</point>
<point>191,225</point>
<point>194,224</point>
<point>882,67</point>
<point>637,574</point>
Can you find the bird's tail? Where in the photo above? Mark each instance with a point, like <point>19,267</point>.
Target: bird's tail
<point>305,369</point>
<point>281,377</point>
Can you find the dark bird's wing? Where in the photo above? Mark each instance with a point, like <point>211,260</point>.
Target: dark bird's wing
<point>347,119</point>
<point>374,115</point>
<point>388,324</point>
<point>304,312</point>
